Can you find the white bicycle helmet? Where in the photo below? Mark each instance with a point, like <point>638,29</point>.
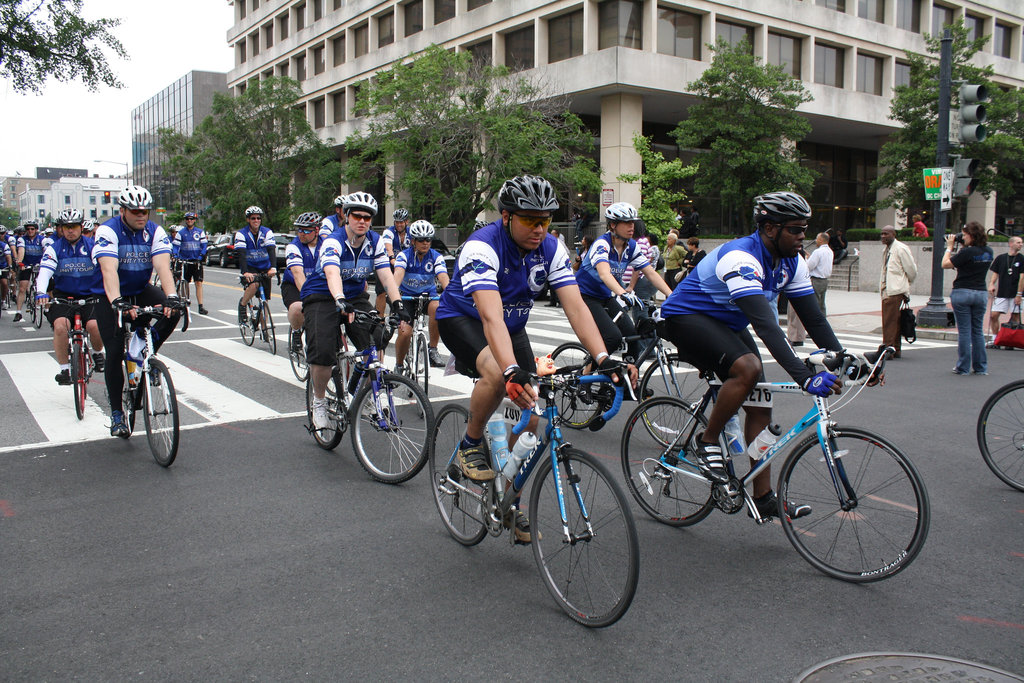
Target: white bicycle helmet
<point>339,200</point>
<point>621,211</point>
<point>361,200</point>
<point>309,219</point>
<point>88,225</point>
<point>135,197</point>
<point>421,229</point>
<point>253,211</point>
<point>69,217</point>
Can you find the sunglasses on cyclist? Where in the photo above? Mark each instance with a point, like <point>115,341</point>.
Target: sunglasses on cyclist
<point>421,239</point>
<point>533,222</point>
<point>794,229</point>
<point>304,231</point>
<point>360,216</point>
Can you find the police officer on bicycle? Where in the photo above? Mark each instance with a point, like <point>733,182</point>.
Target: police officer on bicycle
<point>257,255</point>
<point>420,270</point>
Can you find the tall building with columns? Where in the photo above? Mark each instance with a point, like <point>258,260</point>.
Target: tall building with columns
<point>626,64</point>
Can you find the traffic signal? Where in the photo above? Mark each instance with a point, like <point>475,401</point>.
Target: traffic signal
<point>106,197</point>
<point>972,113</point>
<point>964,181</point>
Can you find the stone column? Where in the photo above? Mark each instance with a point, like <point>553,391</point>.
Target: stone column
<point>621,119</point>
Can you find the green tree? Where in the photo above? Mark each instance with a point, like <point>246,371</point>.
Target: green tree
<point>9,217</point>
<point>912,148</point>
<point>658,183</point>
<point>454,130</point>
<point>259,149</point>
<point>746,120</point>
<point>44,38</point>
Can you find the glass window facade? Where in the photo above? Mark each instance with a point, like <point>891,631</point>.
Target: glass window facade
<point>975,26</point>
<point>361,39</point>
<point>385,29</point>
<point>941,17</point>
<point>1001,40</point>
<point>481,52</point>
<point>869,74</point>
<point>338,49</point>
<point>678,33</point>
<point>828,65</point>
<point>784,51</point>
<point>734,34</point>
<point>902,74</point>
<point>871,9</point>
<point>413,17</point>
<point>620,24</point>
<point>565,36</point>
<point>319,113</point>
<point>837,5</point>
<point>319,66</point>
<point>473,4</point>
<point>338,102</point>
<point>908,15</point>
<point>519,49</point>
<point>443,10</point>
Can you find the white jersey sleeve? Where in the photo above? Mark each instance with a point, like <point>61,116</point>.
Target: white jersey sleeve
<point>293,257</point>
<point>106,243</point>
<point>478,263</point>
<point>741,272</point>
<point>161,244</point>
<point>560,273</point>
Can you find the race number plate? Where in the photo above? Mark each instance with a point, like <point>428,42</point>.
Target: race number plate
<point>759,398</point>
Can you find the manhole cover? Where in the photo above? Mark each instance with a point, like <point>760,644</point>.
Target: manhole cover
<point>903,666</point>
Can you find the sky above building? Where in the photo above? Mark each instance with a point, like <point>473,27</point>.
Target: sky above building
<point>69,127</point>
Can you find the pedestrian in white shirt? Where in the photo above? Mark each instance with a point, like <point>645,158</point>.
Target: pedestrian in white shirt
<point>820,267</point>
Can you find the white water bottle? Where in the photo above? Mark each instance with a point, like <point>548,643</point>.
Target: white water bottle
<point>497,440</point>
<point>520,452</point>
<point>765,440</point>
<point>136,347</point>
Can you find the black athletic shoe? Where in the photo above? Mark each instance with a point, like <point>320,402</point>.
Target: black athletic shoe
<point>203,310</point>
<point>63,378</point>
<point>118,427</point>
<point>435,358</point>
<point>708,457</point>
<point>17,317</point>
<point>768,506</point>
<point>242,318</point>
<point>296,342</point>
<point>99,361</point>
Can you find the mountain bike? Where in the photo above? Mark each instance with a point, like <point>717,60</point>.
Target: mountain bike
<point>389,415</point>
<point>257,314</point>
<point>148,386</point>
<point>416,365</point>
<point>79,351</point>
<point>1001,433</point>
<point>869,508</point>
<point>583,535</point>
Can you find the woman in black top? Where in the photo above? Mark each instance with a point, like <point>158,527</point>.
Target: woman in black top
<point>969,296</point>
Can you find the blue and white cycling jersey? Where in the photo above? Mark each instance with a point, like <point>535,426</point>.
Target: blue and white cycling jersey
<point>419,272</point>
<point>190,244</point>
<point>47,242</point>
<point>329,225</point>
<point>602,251</point>
<point>257,248</point>
<point>71,267</point>
<point>5,251</point>
<point>355,264</point>
<point>33,249</point>
<point>490,260</point>
<point>742,267</point>
<point>299,254</point>
<point>133,249</point>
<point>397,242</point>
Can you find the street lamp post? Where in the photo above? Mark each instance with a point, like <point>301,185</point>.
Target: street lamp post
<point>127,172</point>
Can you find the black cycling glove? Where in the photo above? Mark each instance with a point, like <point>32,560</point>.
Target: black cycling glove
<point>398,309</point>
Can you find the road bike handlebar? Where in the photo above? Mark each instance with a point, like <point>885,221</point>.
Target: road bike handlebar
<point>600,420</point>
<point>854,368</point>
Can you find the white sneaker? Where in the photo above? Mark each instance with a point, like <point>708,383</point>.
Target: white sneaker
<point>320,418</point>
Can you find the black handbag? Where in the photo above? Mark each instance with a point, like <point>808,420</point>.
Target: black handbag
<point>908,322</point>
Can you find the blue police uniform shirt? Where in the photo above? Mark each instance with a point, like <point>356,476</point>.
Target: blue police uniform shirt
<point>71,267</point>
<point>257,248</point>
<point>299,254</point>
<point>133,249</point>
<point>5,251</point>
<point>603,251</point>
<point>190,244</point>
<point>355,264</point>
<point>490,260</point>
<point>329,225</point>
<point>742,267</point>
<point>420,273</point>
<point>33,249</point>
<point>397,242</point>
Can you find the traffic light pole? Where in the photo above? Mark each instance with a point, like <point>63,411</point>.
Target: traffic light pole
<point>934,313</point>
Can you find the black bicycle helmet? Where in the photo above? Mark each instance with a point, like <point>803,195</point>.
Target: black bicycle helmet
<point>779,207</point>
<point>527,193</point>
<point>309,219</point>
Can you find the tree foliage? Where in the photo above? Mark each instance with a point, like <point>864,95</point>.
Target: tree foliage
<point>913,147</point>
<point>9,217</point>
<point>658,182</point>
<point>257,148</point>
<point>454,130</point>
<point>746,120</point>
<point>44,38</point>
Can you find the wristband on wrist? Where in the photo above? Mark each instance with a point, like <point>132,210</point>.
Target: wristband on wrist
<point>601,356</point>
<point>509,370</point>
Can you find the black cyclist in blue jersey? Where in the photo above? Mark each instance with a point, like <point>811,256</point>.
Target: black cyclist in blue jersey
<point>29,254</point>
<point>707,315</point>
<point>420,270</point>
<point>189,245</point>
<point>600,277</point>
<point>396,240</point>
<point>128,248</point>
<point>257,255</point>
<point>482,316</point>
<point>68,262</point>
<point>331,224</point>
<point>301,254</point>
<point>338,285</point>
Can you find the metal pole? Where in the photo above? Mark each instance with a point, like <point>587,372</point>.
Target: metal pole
<point>934,313</point>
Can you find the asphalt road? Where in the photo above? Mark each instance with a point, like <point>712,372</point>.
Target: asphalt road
<point>258,555</point>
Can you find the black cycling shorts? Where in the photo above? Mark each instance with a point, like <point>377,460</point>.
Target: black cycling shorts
<point>59,310</point>
<point>321,322</point>
<point>25,274</point>
<point>464,337</point>
<point>707,343</point>
<point>289,294</point>
<point>192,271</point>
<point>267,282</point>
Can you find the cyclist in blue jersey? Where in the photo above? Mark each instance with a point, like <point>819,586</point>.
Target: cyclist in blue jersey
<point>396,240</point>
<point>29,254</point>
<point>338,285</point>
<point>128,248</point>
<point>331,224</point>
<point>68,261</point>
<point>189,245</point>
<point>302,254</point>
<point>49,235</point>
<point>482,315</point>
<point>420,269</point>
<point>257,255</point>
<point>737,284</point>
<point>6,262</point>
<point>600,277</point>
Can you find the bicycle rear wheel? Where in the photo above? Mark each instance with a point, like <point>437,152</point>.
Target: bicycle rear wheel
<point>246,327</point>
<point>592,574</point>
<point>422,364</point>
<point>37,313</point>
<point>883,526</point>
<point>390,428</point>
<point>670,497</point>
<point>461,512</point>
<point>673,378</point>
<point>79,377</point>
<point>267,328</point>
<point>329,437</point>
<point>1001,434</point>
<point>161,413</point>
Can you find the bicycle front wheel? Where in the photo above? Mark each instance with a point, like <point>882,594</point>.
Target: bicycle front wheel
<point>79,377</point>
<point>674,377</point>
<point>877,522</point>
<point>422,364</point>
<point>390,428</point>
<point>37,317</point>
<point>130,401</point>
<point>457,498</point>
<point>1001,434</point>
<point>658,431</point>
<point>246,327</point>
<point>329,437</point>
<point>592,573</point>
<point>161,413</point>
<point>267,328</point>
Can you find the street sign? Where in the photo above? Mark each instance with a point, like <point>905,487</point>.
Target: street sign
<point>932,184</point>
<point>607,196</point>
<point>946,191</point>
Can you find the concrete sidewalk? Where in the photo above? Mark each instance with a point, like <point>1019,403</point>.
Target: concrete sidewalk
<point>862,312</point>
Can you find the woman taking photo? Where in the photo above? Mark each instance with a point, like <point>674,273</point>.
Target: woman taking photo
<point>969,296</point>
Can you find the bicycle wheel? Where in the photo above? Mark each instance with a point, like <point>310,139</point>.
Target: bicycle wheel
<point>79,377</point>
<point>161,413</point>
<point>670,497</point>
<point>267,328</point>
<point>329,437</point>
<point>246,327</point>
<point>130,401</point>
<point>592,574</point>
<point>298,360</point>
<point>673,378</point>
<point>579,405</point>
<point>1001,433</point>
<point>37,313</point>
<point>422,365</point>
<point>461,512</point>
<point>390,428</point>
<point>876,535</point>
